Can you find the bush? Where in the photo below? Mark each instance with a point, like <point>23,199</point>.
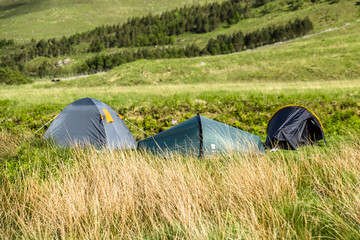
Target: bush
<point>12,77</point>
<point>4,42</point>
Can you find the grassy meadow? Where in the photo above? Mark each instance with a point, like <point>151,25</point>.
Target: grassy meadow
<point>47,192</point>
<point>50,192</point>
<point>247,105</point>
<point>87,194</point>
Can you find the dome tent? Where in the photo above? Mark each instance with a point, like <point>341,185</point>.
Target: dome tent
<point>200,136</point>
<point>90,121</point>
<point>292,126</point>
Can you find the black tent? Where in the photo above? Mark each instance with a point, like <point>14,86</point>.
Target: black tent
<point>292,126</point>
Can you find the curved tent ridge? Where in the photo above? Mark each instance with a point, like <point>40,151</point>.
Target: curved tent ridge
<point>295,105</point>
<point>292,126</point>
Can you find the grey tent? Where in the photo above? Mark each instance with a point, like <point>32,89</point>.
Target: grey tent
<point>90,121</point>
<point>292,126</point>
<point>200,136</point>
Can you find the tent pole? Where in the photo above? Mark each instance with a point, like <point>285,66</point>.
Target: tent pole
<point>136,127</point>
<point>40,128</point>
<point>200,136</point>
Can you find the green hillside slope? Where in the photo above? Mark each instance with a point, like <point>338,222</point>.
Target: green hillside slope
<point>323,15</point>
<point>330,52</point>
<point>26,19</point>
<point>331,55</point>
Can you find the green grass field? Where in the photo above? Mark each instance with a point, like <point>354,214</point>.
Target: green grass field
<point>329,55</point>
<point>48,192</point>
<point>247,105</point>
<point>56,18</point>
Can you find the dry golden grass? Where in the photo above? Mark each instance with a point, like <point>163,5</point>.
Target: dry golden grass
<point>8,143</point>
<point>107,195</point>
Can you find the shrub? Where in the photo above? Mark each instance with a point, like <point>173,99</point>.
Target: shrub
<point>12,77</point>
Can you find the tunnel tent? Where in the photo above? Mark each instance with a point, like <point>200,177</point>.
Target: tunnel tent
<point>90,121</point>
<point>293,126</point>
<point>200,136</point>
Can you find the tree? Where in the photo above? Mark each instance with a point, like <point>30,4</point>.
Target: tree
<point>84,68</point>
<point>44,69</point>
<point>96,46</point>
<point>99,63</point>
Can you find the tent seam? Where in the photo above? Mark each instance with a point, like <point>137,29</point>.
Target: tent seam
<point>102,122</point>
<point>201,137</point>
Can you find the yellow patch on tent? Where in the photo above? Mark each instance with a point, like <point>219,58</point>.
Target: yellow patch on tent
<point>101,116</point>
<point>56,116</point>
<point>121,116</point>
<point>108,117</point>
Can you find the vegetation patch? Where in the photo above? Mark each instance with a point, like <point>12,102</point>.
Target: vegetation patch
<point>13,77</point>
<point>50,192</point>
<point>173,33</point>
<point>223,44</point>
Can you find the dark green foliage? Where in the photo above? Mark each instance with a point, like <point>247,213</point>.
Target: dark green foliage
<point>259,3</point>
<point>106,62</point>
<point>52,47</point>
<point>5,42</point>
<point>156,30</point>
<point>45,69</point>
<point>295,4</point>
<point>47,48</point>
<point>96,46</point>
<point>12,77</point>
<point>223,44</point>
<point>159,29</point>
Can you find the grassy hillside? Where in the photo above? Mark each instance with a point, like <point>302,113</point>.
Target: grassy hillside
<point>323,15</point>
<point>330,55</point>
<point>56,18</point>
<point>311,56</point>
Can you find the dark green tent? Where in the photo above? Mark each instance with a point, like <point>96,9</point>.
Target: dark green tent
<point>201,136</point>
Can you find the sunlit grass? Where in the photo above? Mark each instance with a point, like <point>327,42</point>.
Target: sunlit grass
<point>48,92</point>
<point>245,105</point>
<point>91,194</point>
<point>56,18</point>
